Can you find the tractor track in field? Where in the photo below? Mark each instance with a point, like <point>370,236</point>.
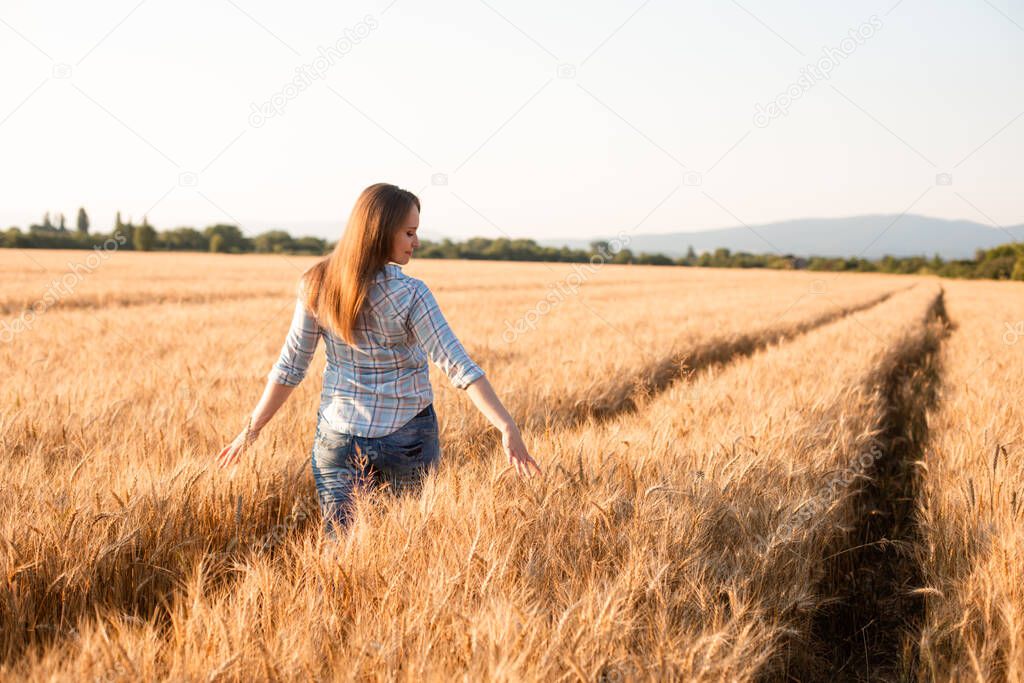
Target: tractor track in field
<point>624,395</point>
<point>94,303</point>
<point>868,628</point>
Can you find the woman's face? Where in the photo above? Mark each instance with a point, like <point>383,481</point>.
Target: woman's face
<point>405,239</point>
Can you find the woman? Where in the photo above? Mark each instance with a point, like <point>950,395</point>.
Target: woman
<point>376,420</point>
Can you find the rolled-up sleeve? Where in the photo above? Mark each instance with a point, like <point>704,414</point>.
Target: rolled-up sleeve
<point>431,331</point>
<point>299,345</point>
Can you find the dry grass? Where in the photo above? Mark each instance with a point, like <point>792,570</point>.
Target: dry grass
<point>970,508</point>
<point>666,540</point>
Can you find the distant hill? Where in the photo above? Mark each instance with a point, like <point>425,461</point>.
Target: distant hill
<point>908,235</point>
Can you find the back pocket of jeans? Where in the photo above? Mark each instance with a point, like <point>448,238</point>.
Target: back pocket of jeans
<point>406,446</point>
<point>410,440</point>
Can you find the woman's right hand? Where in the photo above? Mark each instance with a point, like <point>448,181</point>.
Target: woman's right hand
<point>515,451</point>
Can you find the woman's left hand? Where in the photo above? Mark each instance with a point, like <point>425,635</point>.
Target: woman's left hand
<point>230,453</point>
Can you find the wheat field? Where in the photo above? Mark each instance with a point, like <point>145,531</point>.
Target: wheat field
<point>748,475</point>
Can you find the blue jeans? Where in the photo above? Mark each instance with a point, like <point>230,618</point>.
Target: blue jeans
<point>342,462</point>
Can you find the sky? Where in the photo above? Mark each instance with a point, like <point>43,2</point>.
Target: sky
<point>521,119</point>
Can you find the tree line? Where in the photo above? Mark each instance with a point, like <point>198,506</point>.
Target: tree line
<point>219,238</point>
<point>1005,262</point>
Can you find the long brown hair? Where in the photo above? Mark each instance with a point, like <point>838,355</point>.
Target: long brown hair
<point>336,288</point>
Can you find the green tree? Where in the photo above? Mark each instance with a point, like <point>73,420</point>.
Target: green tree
<point>653,259</point>
<point>128,229</point>
<point>47,225</point>
<point>272,242</point>
<point>183,239</point>
<point>623,256</point>
<point>82,223</point>
<point>118,233</point>
<point>144,236</point>
<point>1002,251</point>
<point>1018,269</point>
<point>232,240</point>
<point>998,268</point>
<point>217,243</point>
<point>309,245</point>
<point>600,247</point>
<point>13,237</point>
<point>1018,266</point>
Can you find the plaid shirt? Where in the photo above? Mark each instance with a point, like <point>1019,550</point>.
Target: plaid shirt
<point>373,390</point>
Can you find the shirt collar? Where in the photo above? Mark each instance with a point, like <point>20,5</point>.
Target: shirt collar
<point>389,271</point>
